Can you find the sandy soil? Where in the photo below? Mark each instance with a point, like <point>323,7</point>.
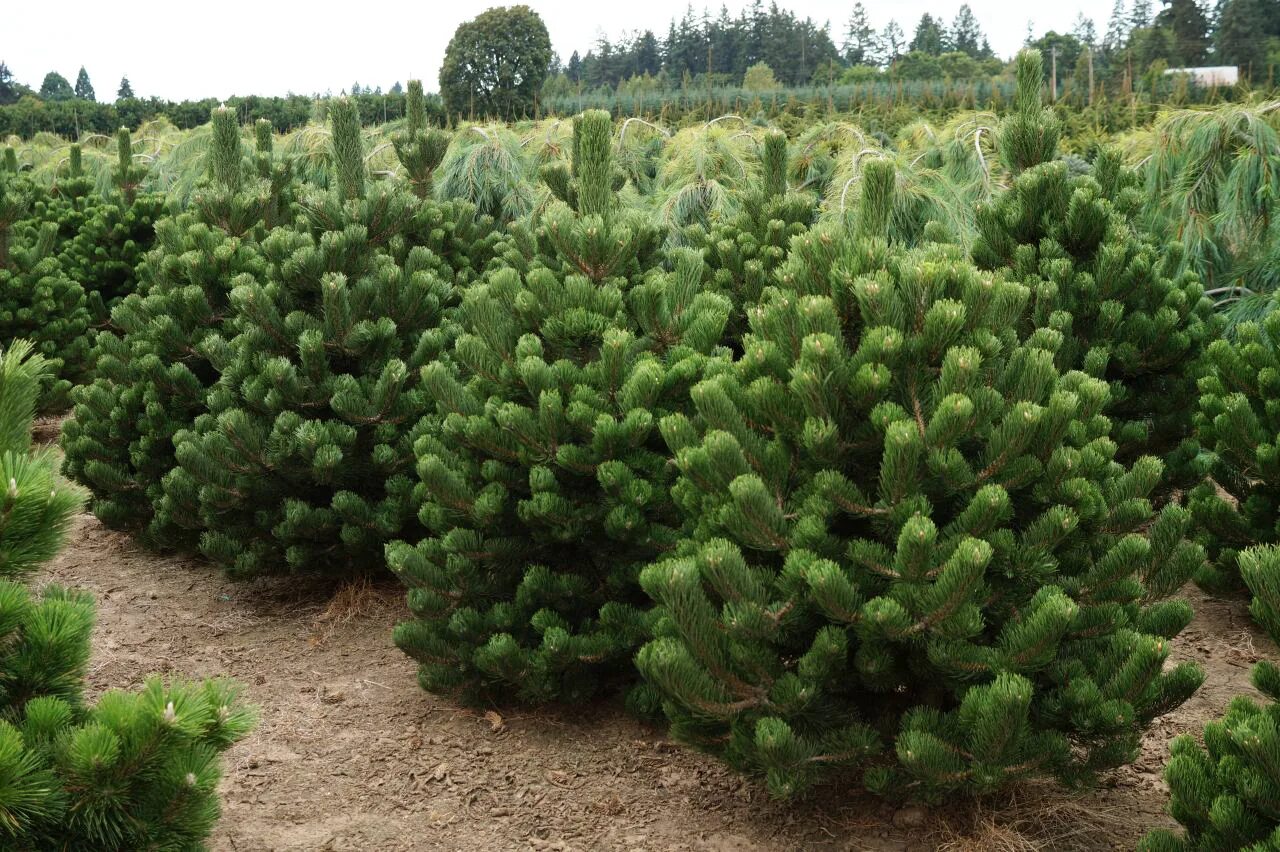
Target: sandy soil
<point>352,754</point>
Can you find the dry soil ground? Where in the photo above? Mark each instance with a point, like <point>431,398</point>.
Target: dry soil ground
<point>351,754</point>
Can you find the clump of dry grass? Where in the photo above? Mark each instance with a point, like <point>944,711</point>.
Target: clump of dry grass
<point>1036,823</point>
<point>357,600</point>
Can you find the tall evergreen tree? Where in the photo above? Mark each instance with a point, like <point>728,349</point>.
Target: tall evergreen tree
<point>125,90</point>
<point>84,89</point>
<point>648,56</point>
<point>8,86</point>
<point>930,37</point>
<point>966,34</point>
<point>860,46</point>
<point>1189,25</point>
<point>1084,31</point>
<point>1236,39</point>
<point>1140,15</point>
<point>892,42</point>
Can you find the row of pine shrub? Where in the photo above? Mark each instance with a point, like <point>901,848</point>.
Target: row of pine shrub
<point>859,497</point>
<point>68,255</point>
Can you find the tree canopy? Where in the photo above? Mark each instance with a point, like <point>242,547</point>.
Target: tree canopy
<point>495,65</point>
<point>56,88</point>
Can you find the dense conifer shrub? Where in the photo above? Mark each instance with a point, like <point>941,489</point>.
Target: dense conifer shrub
<point>914,554</point>
<point>544,482</point>
<point>1226,794</point>
<point>1238,425</point>
<point>116,232</point>
<point>744,253</point>
<point>38,302</point>
<point>154,366</point>
<point>303,460</point>
<point>1127,316</point>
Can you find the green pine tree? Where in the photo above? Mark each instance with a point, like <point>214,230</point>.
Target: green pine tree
<point>114,236</point>
<point>36,506</point>
<point>1113,290</point>
<point>914,554</point>
<point>744,253</point>
<point>302,460</point>
<point>1238,425</point>
<point>420,150</point>
<point>38,301</point>
<point>544,483</point>
<point>135,771</point>
<point>154,366</point>
<point>1226,794</point>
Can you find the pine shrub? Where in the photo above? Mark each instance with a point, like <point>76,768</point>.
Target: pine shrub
<point>1238,425</point>
<point>154,367</point>
<point>913,553</point>
<point>114,236</point>
<point>544,482</point>
<point>38,302</point>
<point>136,770</point>
<point>744,253</point>
<point>1113,291</point>
<point>302,461</point>
<point>1226,794</point>
<point>419,150</point>
<point>36,506</point>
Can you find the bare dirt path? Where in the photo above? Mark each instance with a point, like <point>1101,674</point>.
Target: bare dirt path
<point>351,754</point>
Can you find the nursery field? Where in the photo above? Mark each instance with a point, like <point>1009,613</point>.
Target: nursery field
<point>350,754</point>
<point>596,484</point>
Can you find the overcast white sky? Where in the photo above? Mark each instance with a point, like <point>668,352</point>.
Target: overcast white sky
<point>176,49</point>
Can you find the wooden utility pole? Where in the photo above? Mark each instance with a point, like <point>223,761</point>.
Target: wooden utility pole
<point>1090,55</point>
<point>1053,74</point>
<point>708,79</point>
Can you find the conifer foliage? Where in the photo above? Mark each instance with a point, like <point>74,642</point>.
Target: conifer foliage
<point>544,482</point>
<point>154,365</point>
<point>419,149</point>
<point>1127,316</point>
<point>38,302</point>
<point>745,252</point>
<point>117,231</point>
<point>36,506</point>
<point>301,462</point>
<point>1238,425</point>
<point>135,771</point>
<point>1226,794</point>
<point>914,554</point>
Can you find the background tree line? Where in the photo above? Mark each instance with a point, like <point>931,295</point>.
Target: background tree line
<point>722,49</point>
<point>69,110</point>
<point>501,64</point>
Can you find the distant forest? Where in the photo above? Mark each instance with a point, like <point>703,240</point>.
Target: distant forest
<point>800,51</point>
